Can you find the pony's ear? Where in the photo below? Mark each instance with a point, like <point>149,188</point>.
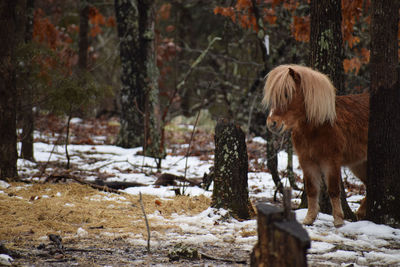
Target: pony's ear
<point>295,76</point>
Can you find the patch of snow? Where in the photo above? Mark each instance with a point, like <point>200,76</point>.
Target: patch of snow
<point>342,254</point>
<point>81,232</point>
<point>371,229</point>
<point>6,260</point>
<point>4,185</point>
<point>260,140</point>
<point>320,247</point>
<point>165,191</point>
<point>76,120</point>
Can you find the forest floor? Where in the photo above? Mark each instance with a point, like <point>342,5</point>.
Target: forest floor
<point>52,219</point>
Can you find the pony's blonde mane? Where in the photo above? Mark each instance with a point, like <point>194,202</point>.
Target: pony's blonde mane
<point>318,91</point>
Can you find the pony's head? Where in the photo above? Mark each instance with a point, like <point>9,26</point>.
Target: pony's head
<point>296,93</point>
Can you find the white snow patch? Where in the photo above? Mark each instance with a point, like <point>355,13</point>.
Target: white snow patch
<point>6,260</point>
<point>81,232</point>
<point>4,185</point>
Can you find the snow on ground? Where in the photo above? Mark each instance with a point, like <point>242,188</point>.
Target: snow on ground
<point>359,243</point>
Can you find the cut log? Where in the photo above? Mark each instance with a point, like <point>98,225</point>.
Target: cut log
<point>282,241</point>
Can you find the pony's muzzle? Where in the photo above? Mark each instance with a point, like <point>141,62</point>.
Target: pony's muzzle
<point>273,126</point>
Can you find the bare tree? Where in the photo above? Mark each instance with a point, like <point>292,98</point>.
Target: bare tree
<point>383,187</point>
<point>12,24</point>
<point>26,95</point>
<point>140,124</point>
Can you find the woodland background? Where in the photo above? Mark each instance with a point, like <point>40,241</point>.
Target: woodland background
<point>227,81</point>
<point>147,62</point>
<point>151,62</point>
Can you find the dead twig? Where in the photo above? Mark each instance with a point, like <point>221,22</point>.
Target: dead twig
<point>191,140</point>
<point>51,153</point>
<point>123,161</point>
<point>146,221</point>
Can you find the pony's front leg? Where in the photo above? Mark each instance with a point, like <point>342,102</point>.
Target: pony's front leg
<point>312,179</point>
<point>333,177</point>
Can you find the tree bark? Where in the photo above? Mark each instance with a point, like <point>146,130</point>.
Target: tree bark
<point>326,55</point>
<point>383,172</point>
<point>140,121</point>
<point>12,24</point>
<point>230,170</point>
<point>26,110</point>
<point>83,34</point>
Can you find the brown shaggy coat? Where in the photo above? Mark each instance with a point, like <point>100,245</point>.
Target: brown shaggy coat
<point>328,131</point>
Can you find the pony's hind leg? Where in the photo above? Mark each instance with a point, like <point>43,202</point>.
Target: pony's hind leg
<point>360,170</point>
<point>332,177</point>
<point>312,180</point>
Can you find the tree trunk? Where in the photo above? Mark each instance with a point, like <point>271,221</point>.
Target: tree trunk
<point>326,55</point>
<point>12,26</point>
<point>26,110</point>
<point>140,121</point>
<point>230,170</point>
<point>383,172</point>
<point>83,34</point>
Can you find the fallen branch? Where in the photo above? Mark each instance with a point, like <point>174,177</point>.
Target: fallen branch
<point>118,185</point>
<point>90,250</point>
<point>169,179</point>
<point>124,161</point>
<point>81,181</point>
<point>209,257</point>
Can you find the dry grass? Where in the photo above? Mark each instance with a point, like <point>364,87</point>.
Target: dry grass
<point>29,213</point>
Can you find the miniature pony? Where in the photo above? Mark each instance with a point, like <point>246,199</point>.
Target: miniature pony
<point>328,131</point>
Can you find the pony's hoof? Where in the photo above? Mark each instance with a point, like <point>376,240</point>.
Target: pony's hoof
<point>308,221</point>
<point>338,222</point>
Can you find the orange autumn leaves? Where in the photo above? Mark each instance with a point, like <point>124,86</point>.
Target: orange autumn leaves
<point>242,13</point>
<point>97,20</point>
<point>62,40</point>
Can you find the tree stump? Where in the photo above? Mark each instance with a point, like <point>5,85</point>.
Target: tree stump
<point>282,241</point>
<point>230,170</point>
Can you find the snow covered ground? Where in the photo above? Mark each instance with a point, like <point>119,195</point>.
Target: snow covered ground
<point>360,243</point>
